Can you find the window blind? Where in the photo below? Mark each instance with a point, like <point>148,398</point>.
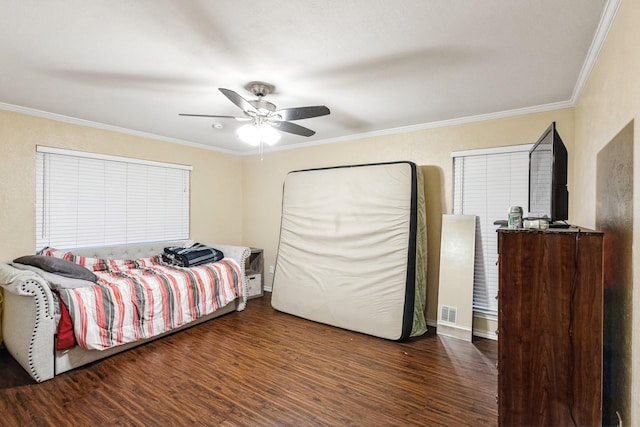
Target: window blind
<point>85,199</point>
<point>485,184</point>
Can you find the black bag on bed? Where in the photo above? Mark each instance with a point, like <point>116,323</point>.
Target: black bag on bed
<point>197,254</point>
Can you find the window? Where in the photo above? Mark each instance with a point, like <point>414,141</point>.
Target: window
<point>85,199</point>
<point>486,183</point>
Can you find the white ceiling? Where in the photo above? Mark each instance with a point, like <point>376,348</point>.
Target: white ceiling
<point>377,64</point>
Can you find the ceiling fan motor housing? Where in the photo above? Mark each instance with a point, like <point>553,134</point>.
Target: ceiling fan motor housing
<point>263,107</point>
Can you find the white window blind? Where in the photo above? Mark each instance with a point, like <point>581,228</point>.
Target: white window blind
<point>85,199</point>
<point>486,183</point>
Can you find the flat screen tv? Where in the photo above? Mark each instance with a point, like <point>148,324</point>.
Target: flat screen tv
<point>548,195</point>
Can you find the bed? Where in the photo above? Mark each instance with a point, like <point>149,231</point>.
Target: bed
<point>131,296</point>
<point>352,249</point>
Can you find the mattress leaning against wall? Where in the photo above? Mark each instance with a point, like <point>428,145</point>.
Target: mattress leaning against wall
<point>352,249</point>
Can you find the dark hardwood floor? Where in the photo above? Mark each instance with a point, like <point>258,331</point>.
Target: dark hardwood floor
<point>260,367</point>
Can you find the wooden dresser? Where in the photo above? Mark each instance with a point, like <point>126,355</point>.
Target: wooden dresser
<point>550,327</point>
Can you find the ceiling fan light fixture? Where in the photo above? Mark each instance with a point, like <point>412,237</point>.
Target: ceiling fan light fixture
<point>250,134</point>
<point>253,134</point>
<point>269,135</point>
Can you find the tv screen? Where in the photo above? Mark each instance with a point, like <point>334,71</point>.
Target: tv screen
<point>548,195</point>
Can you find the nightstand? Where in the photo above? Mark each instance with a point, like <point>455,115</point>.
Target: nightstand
<point>254,268</point>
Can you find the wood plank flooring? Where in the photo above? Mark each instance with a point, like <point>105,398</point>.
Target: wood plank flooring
<point>260,367</point>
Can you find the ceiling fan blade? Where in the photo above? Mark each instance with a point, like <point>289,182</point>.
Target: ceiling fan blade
<point>292,128</point>
<point>238,100</point>
<point>302,112</point>
<point>208,115</point>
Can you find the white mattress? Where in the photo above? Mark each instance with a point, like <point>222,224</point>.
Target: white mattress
<point>347,251</point>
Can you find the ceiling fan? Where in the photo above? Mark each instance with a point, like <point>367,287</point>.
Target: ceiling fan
<point>264,118</point>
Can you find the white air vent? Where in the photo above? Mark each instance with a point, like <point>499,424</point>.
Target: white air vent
<point>448,314</point>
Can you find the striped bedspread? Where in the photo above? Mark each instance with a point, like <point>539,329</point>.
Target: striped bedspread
<point>137,299</point>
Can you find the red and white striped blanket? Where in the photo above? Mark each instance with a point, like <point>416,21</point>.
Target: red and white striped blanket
<point>137,299</point>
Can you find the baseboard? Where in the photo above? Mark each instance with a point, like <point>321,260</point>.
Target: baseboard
<point>455,332</point>
<point>490,335</point>
<point>485,334</point>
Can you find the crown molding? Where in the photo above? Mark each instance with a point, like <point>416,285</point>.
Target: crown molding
<point>432,125</point>
<point>102,126</point>
<point>606,21</point>
<point>357,136</point>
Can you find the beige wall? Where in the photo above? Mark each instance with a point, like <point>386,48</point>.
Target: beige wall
<point>216,179</point>
<point>610,101</point>
<point>431,149</point>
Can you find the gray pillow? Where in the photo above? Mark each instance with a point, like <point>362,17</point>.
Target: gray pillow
<point>58,266</point>
<point>55,281</point>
